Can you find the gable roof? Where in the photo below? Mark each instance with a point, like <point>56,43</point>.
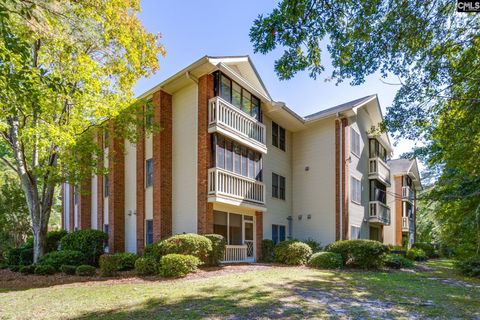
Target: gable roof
<point>340,108</point>
<point>406,167</point>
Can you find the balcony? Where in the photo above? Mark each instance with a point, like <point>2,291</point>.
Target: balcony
<point>228,187</point>
<point>407,194</point>
<point>225,118</point>
<point>407,224</point>
<point>379,213</point>
<point>379,170</point>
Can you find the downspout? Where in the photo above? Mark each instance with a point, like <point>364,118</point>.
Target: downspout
<point>341,175</point>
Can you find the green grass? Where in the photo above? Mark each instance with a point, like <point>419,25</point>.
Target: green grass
<point>281,292</point>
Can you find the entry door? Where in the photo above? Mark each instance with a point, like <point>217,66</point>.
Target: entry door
<point>248,236</point>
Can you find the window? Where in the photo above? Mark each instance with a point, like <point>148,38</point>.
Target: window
<point>356,191</point>
<point>148,231</point>
<point>105,228</point>
<point>278,136</point>
<point>355,144</point>
<point>105,186</point>
<point>278,233</point>
<point>148,173</point>
<point>377,150</point>
<point>278,186</point>
<point>354,232</point>
<point>230,226</point>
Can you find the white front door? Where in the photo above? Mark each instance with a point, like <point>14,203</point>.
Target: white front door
<point>248,237</point>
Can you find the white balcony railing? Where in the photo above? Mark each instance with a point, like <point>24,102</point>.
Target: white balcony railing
<point>234,253</point>
<point>379,170</point>
<point>233,122</point>
<point>407,193</point>
<point>379,213</point>
<point>226,184</point>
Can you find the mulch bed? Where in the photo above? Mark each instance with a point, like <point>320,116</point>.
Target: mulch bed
<point>11,281</point>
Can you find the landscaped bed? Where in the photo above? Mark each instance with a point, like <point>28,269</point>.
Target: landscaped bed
<point>246,292</point>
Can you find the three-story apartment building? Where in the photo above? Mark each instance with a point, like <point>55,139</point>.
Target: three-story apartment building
<point>230,160</point>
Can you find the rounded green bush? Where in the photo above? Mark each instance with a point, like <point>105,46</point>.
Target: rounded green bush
<point>126,260</point>
<point>325,260</point>
<point>27,269</point>
<point>186,244</point>
<point>364,254</point>
<point>416,255</point>
<point>146,266</point>
<point>268,248</point>
<point>53,240</point>
<point>68,269</point>
<point>428,248</point>
<point>218,249</point>
<point>44,269</point>
<point>178,265</point>
<point>57,258</point>
<point>313,244</point>
<point>109,264</point>
<point>395,261</point>
<point>90,242</point>
<point>85,270</point>
<point>470,267</point>
<point>19,256</point>
<point>152,251</point>
<point>292,252</point>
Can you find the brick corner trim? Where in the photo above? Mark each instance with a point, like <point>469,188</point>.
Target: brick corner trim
<point>341,187</point>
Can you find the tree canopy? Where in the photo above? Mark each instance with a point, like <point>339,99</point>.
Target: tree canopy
<point>435,54</point>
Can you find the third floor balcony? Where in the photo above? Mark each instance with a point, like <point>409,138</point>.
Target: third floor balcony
<point>378,169</point>
<point>225,118</point>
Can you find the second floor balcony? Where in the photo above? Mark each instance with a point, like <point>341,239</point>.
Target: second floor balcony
<point>378,213</point>
<point>225,118</point>
<point>407,224</point>
<point>407,194</point>
<point>378,169</point>
<point>232,188</point>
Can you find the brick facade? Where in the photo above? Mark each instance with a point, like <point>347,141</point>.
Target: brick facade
<point>116,194</point>
<point>71,219</point>
<point>398,210</point>
<point>100,186</point>
<point>162,166</point>
<point>258,234</point>
<point>85,205</point>
<point>140,189</point>
<point>204,209</point>
<point>343,185</point>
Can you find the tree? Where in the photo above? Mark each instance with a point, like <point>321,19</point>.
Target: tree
<point>66,68</point>
<point>435,53</point>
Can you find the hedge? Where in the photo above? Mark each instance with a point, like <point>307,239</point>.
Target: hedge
<point>90,242</point>
<point>428,248</point>
<point>126,260</point>
<point>44,269</point>
<point>186,244</point>
<point>395,261</point>
<point>109,264</point>
<point>326,260</point>
<point>268,248</point>
<point>415,254</point>
<point>68,269</point>
<point>85,270</point>
<point>146,266</point>
<point>57,258</point>
<point>470,267</point>
<point>28,269</point>
<point>313,244</point>
<point>292,252</point>
<point>218,249</point>
<point>178,265</point>
<point>53,240</point>
<point>19,257</point>
<point>364,254</point>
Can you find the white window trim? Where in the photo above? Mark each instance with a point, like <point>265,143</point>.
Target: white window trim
<point>351,190</point>
<point>352,130</point>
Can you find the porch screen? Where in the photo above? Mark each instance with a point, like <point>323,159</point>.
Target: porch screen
<point>235,229</point>
<point>220,223</point>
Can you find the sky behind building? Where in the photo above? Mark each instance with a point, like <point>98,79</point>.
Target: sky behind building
<point>192,29</point>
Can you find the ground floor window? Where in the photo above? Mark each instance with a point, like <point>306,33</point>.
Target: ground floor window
<point>235,228</point>
<point>148,231</point>
<point>278,233</point>
<point>354,232</point>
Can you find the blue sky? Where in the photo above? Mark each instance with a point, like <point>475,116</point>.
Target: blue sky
<point>192,29</point>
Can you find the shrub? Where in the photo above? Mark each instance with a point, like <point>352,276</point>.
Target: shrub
<point>470,267</point>
<point>187,244</point>
<point>364,254</point>
<point>126,260</point>
<point>109,264</point>
<point>416,255</point>
<point>395,261</point>
<point>426,247</point>
<point>3,266</point>
<point>90,242</point>
<point>26,256</point>
<point>268,248</point>
<point>68,269</point>
<point>27,269</point>
<point>218,249</point>
<point>57,258</point>
<point>314,245</point>
<point>152,251</point>
<point>146,266</point>
<point>178,265</point>
<point>44,269</point>
<point>292,252</point>
<point>326,260</point>
<point>85,270</point>
<point>13,256</point>
<point>53,240</point>
<point>14,268</point>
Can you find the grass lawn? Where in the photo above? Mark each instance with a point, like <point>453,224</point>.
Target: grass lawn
<point>435,291</point>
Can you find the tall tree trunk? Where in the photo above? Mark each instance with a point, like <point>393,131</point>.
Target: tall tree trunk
<point>477,216</point>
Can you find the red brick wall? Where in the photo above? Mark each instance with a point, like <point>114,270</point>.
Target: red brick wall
<point>259,234</point>
<point>116,197</point>
<point>343,185</point>
<point>72,210</point>
<point>204,209</point>
<point>85,205</point>
<point>162,166</point>
<point>141,189</point>
<point>100,179</point>
<point>398,210</point>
